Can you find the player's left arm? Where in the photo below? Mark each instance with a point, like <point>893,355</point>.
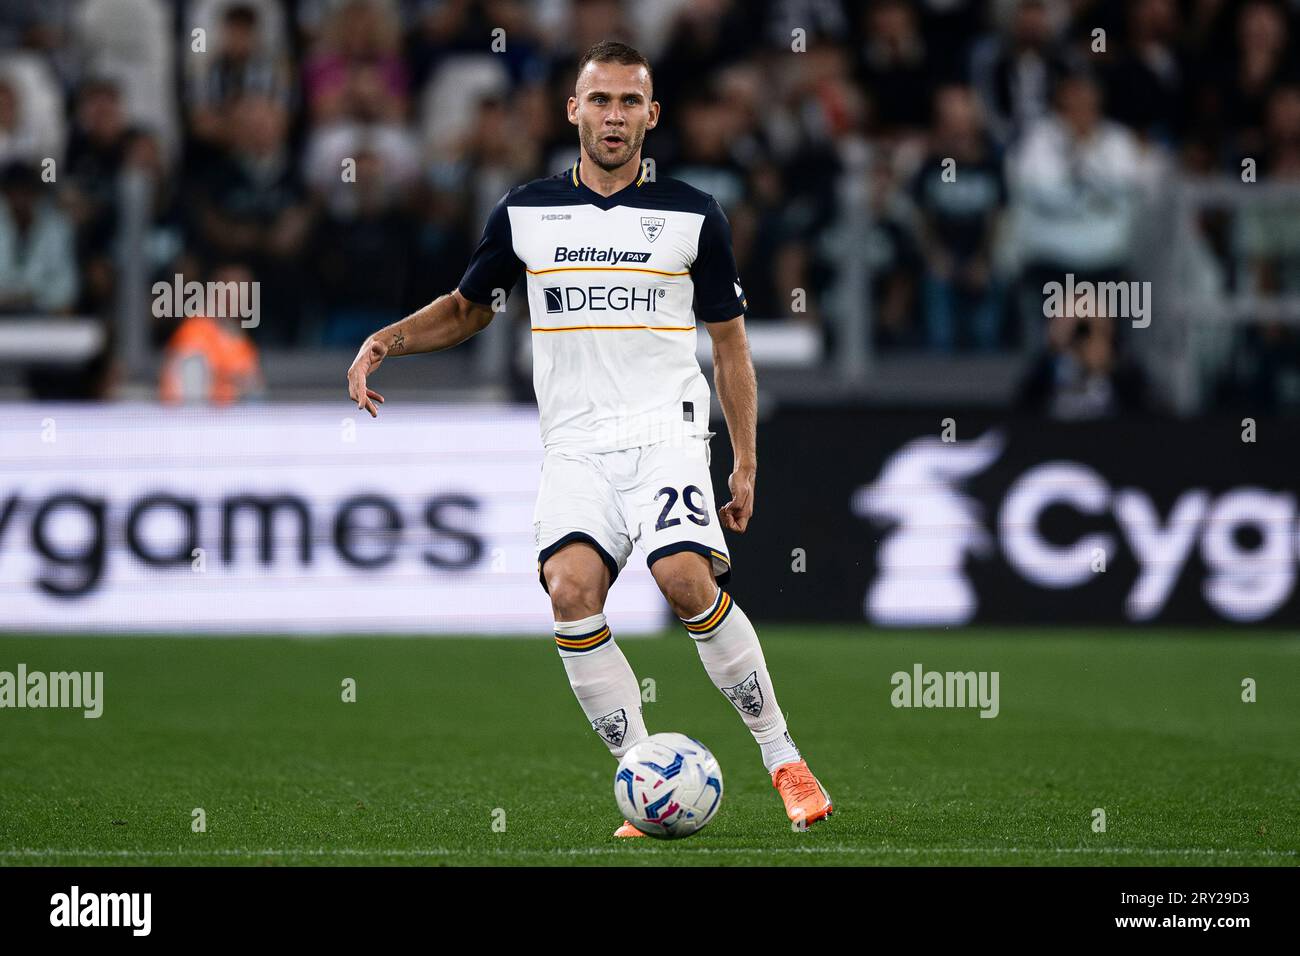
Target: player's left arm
<point>733,375</point>
<point>721,304</point>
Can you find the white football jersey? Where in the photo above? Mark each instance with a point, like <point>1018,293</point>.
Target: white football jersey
<point>615,285</point>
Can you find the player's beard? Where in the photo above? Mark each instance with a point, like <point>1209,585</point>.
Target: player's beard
<point>595,149</point>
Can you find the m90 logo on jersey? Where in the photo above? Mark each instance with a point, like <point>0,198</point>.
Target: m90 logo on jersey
<point>600,298</point>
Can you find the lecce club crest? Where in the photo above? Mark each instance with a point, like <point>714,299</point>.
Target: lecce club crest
<point>652,226</point>
<point>612,727</point>
<point>747,695</point>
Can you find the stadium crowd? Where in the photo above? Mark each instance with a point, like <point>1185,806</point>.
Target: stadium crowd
<point>242,118</point>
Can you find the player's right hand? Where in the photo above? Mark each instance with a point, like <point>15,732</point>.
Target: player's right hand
<point>369,357</point>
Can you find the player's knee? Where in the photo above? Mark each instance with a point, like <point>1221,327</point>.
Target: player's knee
<point>573,597</point>
<point>687,591</point>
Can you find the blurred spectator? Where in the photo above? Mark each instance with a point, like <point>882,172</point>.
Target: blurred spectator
<point>43,28</point>
<point>442,31</point>
<point>895,67</point>
<point>585,22</point>
<point>442,245</point>
<point>15,141</point>
<point>1261,60</point>
<point>959,194</point>
<point>254,206</point>
<point>1147,86</point>
<point>776,262</point>
<point>949,27</point>
<point>32,124</point>
<point>1015,70</point>
<point>894,258</point>
<point>333,149</point>
<point>361,119</point>
<point>242,63</point>
<point>95,154</point>
<point>364,256</point>
<point>272,18</point>
<point>360,43</point>
<point>210,360</point>
<point>1074,184</point>
<point>37,26</point>
<point>1081,376</point>
<point>130,42</point>
<point>163,243</point>
<point>1267,233</point>
<point>451,102</point>
<point>1262,370</point>
<point>706,36</point>
<point>706,160</point>
<point>38,266</point>
<point>1262,374</point>
<point>818,19</point>
<point>491,158</point>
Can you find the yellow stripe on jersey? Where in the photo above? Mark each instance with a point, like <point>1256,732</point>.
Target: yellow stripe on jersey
<point>615,328</point>
<point>653,272</point>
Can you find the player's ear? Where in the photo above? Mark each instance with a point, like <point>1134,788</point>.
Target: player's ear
<point>572,110</point>
<point>653,119</point>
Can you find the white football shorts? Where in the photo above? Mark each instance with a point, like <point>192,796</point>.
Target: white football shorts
<point>658,497</point>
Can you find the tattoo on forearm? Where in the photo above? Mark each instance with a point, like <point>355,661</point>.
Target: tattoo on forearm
<point>398,344</point>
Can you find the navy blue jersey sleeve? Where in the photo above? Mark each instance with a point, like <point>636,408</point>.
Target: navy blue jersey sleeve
<point>718,296</point>
<point>494,264</point>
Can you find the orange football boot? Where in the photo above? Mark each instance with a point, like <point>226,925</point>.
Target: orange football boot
<point>805,798</point>
<point>627,830</point>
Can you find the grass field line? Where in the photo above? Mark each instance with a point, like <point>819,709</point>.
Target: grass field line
<point>233,852</point>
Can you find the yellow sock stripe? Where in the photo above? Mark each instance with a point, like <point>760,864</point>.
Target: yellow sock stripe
<point>584,643</point>
<point>714,619</point>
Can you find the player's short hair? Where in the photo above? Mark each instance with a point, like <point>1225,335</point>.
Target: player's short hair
<point>612,51</point>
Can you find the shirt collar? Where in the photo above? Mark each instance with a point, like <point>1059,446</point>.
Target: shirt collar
<point>578,184</point>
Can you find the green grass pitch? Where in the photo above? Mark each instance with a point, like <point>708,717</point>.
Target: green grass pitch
<point>447,735</point>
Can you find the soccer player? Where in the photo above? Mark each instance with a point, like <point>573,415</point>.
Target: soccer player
<point>619,266</point>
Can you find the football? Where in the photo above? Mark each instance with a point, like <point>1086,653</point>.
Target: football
<point>668,786</point>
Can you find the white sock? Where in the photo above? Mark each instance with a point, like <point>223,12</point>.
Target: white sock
<point>602,680</point>
<point>730,652</point>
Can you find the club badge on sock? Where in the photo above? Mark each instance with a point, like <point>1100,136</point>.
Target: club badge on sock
<point>747,695</point>
<point>612,727</point>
